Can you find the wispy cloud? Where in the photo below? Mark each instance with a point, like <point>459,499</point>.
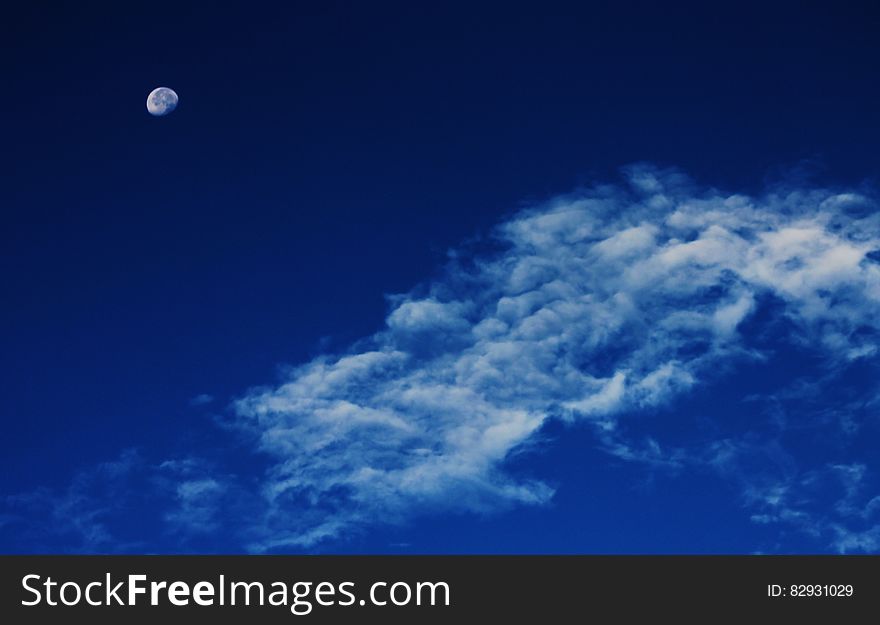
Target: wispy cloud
<point>125,505</point>
<point>82,514</point>
<point>609,301</point>
<point>830,503</point>
<point>201,400</point>
<point>612,301</point>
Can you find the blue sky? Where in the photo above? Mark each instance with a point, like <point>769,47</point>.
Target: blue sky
<point>393,279</point>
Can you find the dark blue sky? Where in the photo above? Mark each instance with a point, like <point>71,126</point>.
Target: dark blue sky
<point>324,155</point>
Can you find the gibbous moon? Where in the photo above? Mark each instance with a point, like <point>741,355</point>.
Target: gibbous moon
<point>161,101</point>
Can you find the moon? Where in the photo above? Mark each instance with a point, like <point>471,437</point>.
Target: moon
<point>161,101</point>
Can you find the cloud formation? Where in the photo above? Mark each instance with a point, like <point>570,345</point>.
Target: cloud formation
<point>611,301</point>
<point>592,309</point>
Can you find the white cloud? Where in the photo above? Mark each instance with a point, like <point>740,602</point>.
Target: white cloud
<point>614,300</point>
<point>198,505</point>
<point>591,309</point>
